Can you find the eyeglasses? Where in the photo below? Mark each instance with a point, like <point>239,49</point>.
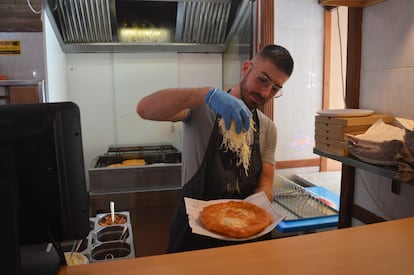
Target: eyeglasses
<point>266,82</point>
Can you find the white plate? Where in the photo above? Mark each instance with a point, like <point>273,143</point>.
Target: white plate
<point>345,112</point>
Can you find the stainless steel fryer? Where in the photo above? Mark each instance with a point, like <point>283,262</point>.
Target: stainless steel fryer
<point>149,192</point>
<point>162,169</point>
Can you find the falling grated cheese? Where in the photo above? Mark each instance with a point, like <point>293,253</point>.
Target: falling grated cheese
<point>238,143</point>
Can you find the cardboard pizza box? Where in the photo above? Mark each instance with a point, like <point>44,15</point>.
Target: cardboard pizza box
<point>330,141</point>
<point>331,149</point>
<point>338,131</point>
<point>354,121</point>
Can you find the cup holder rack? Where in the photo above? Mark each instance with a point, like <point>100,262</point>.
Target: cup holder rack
<point>107,242</point>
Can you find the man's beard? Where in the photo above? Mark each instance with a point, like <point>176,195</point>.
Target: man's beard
<point>244,92</point>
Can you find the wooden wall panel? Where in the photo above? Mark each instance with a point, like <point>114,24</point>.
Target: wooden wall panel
<point>266,30</point>
<point>353,72</point>
<point>327,18</point>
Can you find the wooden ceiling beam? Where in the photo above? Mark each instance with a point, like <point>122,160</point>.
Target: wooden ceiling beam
<point>350,3</point>
<point>16,16</point>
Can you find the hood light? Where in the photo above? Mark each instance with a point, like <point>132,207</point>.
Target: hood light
<point>153,35</point>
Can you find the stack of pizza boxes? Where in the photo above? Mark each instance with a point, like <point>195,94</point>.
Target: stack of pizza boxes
<point>330,130</point>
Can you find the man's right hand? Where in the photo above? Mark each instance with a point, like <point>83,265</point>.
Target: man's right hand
<point>230,108</point>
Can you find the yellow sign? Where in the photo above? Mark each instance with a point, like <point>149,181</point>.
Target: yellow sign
<point>10,47</point>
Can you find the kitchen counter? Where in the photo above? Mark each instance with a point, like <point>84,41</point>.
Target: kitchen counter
<point>29,82</point>
<point>381,248</point>
<point>22,91</point>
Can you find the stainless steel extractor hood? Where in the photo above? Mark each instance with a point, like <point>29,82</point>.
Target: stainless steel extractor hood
<point>151,25</point>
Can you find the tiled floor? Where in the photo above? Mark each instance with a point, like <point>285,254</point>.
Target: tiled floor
<point>330,180</point>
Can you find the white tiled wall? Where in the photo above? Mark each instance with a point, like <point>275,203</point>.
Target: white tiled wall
<point>387,74</point>
<point>56,84</point>
<point>299,28</point>
<point>387,86</point>
<point>30,63</point>
<point>107,86</point>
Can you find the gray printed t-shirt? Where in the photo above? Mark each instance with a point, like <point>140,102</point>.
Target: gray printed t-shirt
<point>197,128</point>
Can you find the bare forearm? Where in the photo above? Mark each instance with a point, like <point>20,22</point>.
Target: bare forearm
<point>266,180</point>
<point>170,104</point>
<point>268,190</point>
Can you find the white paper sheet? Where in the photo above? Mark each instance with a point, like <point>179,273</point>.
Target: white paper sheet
<point>404,123</point>
<point>194,208</point>
<point>380,132</point>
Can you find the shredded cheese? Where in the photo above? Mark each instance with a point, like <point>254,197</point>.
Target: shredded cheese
<point>238,142</point>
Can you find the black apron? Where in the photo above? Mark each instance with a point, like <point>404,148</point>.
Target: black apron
<point>217,178</point>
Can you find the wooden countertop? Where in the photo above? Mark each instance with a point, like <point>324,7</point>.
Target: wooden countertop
<point>30,82</point>
<point>381,248</point>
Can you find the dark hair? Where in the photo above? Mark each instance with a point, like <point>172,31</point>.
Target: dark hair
<point>279,56</point>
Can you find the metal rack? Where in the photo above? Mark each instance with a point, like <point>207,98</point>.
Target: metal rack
<point>296,202</point>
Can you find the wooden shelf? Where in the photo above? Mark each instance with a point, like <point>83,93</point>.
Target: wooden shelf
<point>348,209</point>
<point>350,3</point>
<point>8,83</point>
<point>385,171</point>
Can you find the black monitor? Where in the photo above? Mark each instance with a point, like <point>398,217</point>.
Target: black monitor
<point>44,197</point>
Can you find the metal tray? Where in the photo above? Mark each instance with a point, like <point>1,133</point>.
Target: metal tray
<point>109,242</point>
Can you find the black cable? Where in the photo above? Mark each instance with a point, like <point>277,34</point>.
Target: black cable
<point>58,248</point>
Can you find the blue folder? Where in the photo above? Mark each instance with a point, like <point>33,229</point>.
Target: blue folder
<point>308,224</point>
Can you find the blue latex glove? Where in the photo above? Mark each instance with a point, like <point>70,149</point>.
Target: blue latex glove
<point>229,107</point>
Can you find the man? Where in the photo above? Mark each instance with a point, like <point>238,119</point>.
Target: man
<point>209,171</point>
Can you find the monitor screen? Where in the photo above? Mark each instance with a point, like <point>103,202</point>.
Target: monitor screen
<point>41,158</point>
